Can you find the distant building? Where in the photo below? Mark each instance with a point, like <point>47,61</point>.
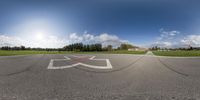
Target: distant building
<point>195,48</point>
<point>137,49</point>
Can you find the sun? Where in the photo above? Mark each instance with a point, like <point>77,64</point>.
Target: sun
<point>39,35</point>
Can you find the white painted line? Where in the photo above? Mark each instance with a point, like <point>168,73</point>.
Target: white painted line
<point>108,64</point>
<point>79,56</point>
<point>67,58</point>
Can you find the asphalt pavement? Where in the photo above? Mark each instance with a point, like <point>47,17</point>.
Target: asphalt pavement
<point>99,77</point>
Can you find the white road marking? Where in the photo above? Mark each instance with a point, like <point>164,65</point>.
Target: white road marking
<point>67,58</point>
<point>108,64</point>
<point>79,56</point>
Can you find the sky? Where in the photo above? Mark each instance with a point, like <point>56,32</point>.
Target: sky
<point>56,23</point>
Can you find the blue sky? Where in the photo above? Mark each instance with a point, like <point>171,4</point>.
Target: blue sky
<point>140,22</point>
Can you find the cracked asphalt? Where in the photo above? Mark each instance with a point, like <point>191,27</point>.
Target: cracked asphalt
<point>133,77</point>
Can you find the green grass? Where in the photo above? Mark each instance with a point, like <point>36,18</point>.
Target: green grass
<point>31,52</point>
<point>125,52</point>
<point>113,52</point>
<point>178,53</point>
<point>25,52</point>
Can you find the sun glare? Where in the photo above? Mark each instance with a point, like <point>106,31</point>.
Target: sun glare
<point>39,35</point>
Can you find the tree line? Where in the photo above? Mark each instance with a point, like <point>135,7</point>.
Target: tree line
<point>74,47</point>
<point>28,48</point>
<point>83,47</point>
<point>171,49</point>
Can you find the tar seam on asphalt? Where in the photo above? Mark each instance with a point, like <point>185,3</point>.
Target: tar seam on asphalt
<point>168,67</point>
<point>26,69</point>
<point>109,71</point>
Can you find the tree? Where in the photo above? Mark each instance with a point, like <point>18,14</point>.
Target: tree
<point>123,47</point>
<point>126,46</point>
<point>109,47</point>
<point>98,47</point>
<point>22,47</point>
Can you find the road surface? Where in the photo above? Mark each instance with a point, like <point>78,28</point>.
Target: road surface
<point>80,77</point>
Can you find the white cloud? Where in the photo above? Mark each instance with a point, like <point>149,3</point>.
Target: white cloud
<point>56,42</point>
<point>107,39</point>
<point>167,39</point>
<point>192,40</point>
<point>47,42</point>
<point>10,41</point>
<point>168,35</point>
<point>163,44</point>
<point>174,39</point>
<point>104,38</point>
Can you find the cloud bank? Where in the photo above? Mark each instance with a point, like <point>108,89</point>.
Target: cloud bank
<point>57,42</point>
<point>176,39</point>
<point>193,40</point>
<point>47,42</point>
<point>104,38</point>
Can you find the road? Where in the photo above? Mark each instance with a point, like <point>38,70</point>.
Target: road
<point>78,77</point>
